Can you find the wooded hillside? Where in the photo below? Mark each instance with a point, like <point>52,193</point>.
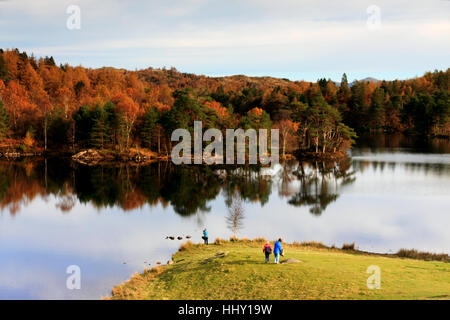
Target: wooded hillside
<point>43,105</point>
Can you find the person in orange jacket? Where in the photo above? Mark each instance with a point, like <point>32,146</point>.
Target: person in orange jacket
<point>267,251</point>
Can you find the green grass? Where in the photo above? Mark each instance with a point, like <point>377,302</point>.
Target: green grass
<point>323,273</point>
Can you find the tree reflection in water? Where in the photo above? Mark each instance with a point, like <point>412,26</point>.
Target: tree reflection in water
<point>235,216</point>
<point>319,183</point>
<point>187,189</point>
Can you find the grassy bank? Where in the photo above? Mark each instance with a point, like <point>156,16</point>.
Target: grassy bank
<point>236,270</point>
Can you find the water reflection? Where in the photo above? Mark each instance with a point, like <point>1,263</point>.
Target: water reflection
<point>319,183</point>
<point>187,190</point>
<point>401,143</point>
<point>236,214</point>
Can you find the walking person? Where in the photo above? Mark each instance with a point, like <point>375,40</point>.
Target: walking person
<point>277,250</point>
<point>205,236</point>
<point>267,251</point>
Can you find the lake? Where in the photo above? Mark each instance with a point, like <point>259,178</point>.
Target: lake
<point>391,192</point>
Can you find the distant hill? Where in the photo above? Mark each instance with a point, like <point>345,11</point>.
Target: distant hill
<point>368,79</point>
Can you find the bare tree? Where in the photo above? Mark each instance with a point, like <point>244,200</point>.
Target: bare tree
<point>235,215</point>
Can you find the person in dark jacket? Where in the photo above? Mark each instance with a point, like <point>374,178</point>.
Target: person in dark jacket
<point>277,250</point>
<point>205,236</point>
<point>267,251</point>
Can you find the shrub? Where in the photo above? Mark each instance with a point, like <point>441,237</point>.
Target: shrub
<point>348,246</point>
<point>420,255</point>
<point>245,240</point>
<point>188,245</point>
<point>22,147</point>
<point>313,244</point>
<point>28,140</point>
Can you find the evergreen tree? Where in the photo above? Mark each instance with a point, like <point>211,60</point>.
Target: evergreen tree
<point>3,70</point>
<point>150,120</point>
<point>4,121</point>
<point>112,122</point>
<point>83,125</point>
<point>344,82</point>
<point>358,108</point>
<point>376,110</point>
<point>58,129</point>
<point>99,129</point>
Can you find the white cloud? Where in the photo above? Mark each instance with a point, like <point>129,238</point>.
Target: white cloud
<point>244,36</point>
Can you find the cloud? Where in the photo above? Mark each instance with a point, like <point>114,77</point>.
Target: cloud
<point>252,36</point>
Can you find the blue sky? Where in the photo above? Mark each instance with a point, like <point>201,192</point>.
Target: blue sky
<point>295,39</point>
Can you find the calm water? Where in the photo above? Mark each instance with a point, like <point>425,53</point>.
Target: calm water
<point>390,193</point>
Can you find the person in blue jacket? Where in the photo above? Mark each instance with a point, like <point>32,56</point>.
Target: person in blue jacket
<point>205,236</point>
<point>277,250</point>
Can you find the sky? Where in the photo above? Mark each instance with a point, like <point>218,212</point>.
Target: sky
<point>294,39</point>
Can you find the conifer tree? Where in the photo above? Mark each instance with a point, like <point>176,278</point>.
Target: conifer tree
<point>99,129</point>
<point>150,120</point>
<point>4,121</point>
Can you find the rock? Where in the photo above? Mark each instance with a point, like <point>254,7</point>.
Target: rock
<point>89,156</point>
<point>207,260</point>
<point>218,255</point>
<point>221,254</point>
<point>290,260</point>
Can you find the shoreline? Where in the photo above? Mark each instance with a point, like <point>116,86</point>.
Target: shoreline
<point>99,157</point>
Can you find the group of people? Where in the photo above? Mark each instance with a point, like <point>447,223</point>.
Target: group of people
<point>277,251</point>
<point>277,248</point>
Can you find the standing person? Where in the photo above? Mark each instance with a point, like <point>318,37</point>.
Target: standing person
<point>205,236</point>
<point>277,250</point>
<point>267,251</point>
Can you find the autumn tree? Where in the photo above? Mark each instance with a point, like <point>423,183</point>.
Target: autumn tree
<point>47,97</point>
<point>4,75</point>
<point>256,119</point>
<point>128,111</point>
<point>288,133</point>
<point>21,111</point>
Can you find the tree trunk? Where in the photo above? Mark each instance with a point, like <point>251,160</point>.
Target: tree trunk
<point>73,136</point>
<point>316,142</point>
<point>45,133</point>
<point>159,141</point>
